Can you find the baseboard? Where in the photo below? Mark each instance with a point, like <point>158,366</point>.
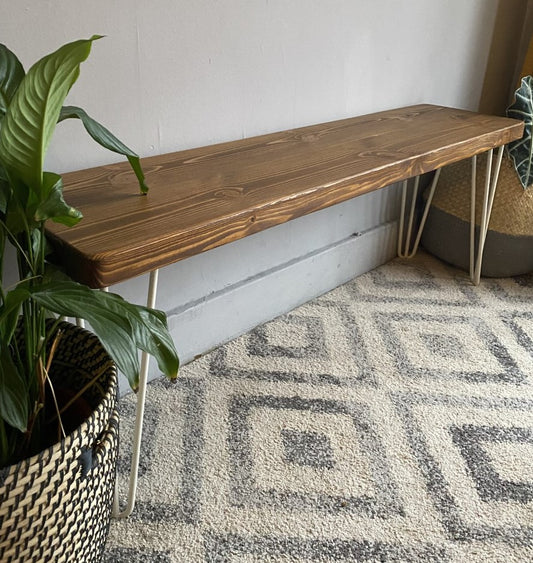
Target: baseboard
<point>201,325</point>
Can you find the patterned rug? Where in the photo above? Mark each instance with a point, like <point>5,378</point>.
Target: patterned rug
<point>388,420</point>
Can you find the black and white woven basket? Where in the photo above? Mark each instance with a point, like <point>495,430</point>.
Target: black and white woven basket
<point>56,505</point>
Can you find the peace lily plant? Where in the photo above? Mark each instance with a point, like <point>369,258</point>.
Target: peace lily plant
<point>31,105</point>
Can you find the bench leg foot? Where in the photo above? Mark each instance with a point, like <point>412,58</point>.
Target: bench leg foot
<point>491,181</point>
<point>124,512</point>
<point>404,239</point>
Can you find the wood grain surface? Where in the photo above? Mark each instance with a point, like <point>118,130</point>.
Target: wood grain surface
<point>205,197</point>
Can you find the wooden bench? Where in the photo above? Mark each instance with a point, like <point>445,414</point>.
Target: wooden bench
<point>202,198</point>
<point>205,197</point>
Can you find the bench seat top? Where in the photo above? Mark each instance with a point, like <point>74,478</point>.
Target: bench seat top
<point>204,197</point>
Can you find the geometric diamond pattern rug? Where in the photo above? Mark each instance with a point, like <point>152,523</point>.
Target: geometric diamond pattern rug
<point>390,419</point>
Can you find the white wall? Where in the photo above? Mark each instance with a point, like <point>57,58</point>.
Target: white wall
<point>174,74</point>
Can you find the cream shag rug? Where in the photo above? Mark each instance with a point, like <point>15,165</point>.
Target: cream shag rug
<point>388,420</point>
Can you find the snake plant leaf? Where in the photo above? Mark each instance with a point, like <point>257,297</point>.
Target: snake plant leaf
<point>53,205</point>
<point>11,75</point>
<point>14,407</point>
<point>33,112</point>
<point>105,138</point>
<point>521,151</point>
<point>122,327</point>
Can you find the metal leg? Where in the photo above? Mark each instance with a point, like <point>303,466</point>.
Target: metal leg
<point>473,215</point>
<point>404,250</point>
<point>139,416</point>
<point>491,181</point>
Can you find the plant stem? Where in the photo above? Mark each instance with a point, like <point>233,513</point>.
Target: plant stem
<point>87,386</point>
<point>16,244</point>
<point>56,405</point>
<point>41,311</point>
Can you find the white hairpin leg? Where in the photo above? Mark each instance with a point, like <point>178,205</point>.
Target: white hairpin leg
<point>139,416</point>
<point>404,239</point>
<point>491,181</point>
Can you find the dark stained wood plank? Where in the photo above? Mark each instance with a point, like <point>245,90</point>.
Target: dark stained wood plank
<point>205,197</point>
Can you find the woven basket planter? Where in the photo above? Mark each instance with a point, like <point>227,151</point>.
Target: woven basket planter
<point>509,244</point>
<point>56,505</point>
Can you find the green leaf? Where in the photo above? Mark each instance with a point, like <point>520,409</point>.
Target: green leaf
<point>14,407</point>
<point>73,300</point>
<point>3,240</point>
<point>32,115</point>
<point>521,151</point>
<point>53,205</point>
<point>122,327</point>
<point>150,334</point>
<point>11,75</point>
<point>52,272</point>
<point>105,138</point>
<point>17,212</point>
<point>4,190</point>
<point>9,312</point>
